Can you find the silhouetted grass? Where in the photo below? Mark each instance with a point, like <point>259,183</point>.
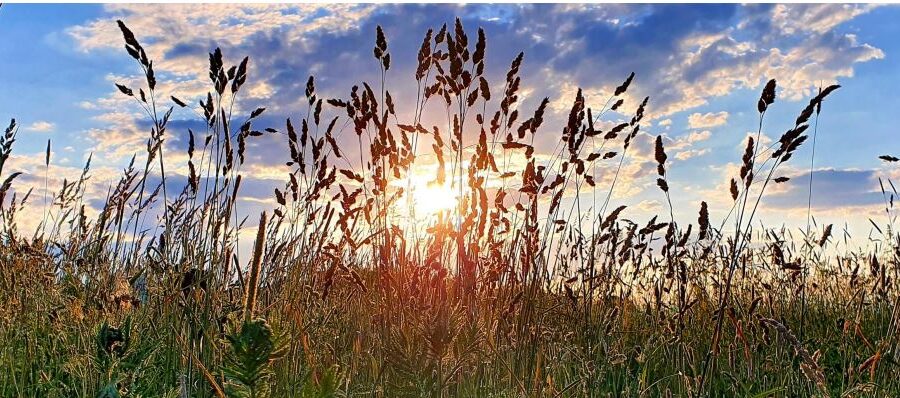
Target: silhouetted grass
<point>531,286</point>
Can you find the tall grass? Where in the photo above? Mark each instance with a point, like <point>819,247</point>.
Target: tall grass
<point>532,285</point>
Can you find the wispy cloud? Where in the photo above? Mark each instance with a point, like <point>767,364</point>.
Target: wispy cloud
<point>41,126</point>
<point>685,155</point>
<point>684,56</point>
<point>707,120</point>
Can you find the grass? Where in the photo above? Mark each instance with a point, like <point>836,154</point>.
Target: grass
<point>533,285</point>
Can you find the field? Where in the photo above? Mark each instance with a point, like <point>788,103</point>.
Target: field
<point>532,282</point>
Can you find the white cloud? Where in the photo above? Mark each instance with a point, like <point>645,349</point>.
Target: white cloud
<point>685,155</point>
<point>818,18</point>
<point>167,30</point>
<point>698,136</point>
<point>799,64</point>
<point>41,126</point>
<point>177,38</point>
<point>707,120</point>
<point>802,46</point>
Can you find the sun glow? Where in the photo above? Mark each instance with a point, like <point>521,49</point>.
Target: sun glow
<point>431,198</point>
<point>427,198</point>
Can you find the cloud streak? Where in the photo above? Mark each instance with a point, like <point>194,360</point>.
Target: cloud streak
<point>41,126</point>
<point>707,120</point>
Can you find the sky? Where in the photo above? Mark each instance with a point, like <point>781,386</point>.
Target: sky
<point>703,67</point>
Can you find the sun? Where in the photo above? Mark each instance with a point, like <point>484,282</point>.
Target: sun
<point>431,198</point>
<point>425,196</point>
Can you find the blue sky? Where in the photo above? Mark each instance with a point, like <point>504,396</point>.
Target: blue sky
<point>703,67</point>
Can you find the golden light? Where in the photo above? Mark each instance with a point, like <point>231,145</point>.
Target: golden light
<point>427,197</point>
<point>431,198</point>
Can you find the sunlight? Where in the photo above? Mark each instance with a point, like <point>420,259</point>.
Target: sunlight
<point>430,198</point>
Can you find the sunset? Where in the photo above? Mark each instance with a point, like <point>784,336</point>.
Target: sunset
<point>449,200</point>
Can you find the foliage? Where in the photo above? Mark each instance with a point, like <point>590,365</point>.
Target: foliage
<point>246,365</point>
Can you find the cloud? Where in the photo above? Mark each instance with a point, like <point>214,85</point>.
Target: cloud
<point>707,120</point>
<point>36,176</point>
<point>41,126</point>
<point>697,136</point>
<point>685,155</point>
<point>815,18</point>
<point>799,61</point>
<point>683,55</point>
<point>831,188</point>
<point>179,29</point>
<point>686,55</point>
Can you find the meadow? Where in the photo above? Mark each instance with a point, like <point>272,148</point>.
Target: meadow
<point>533,282</point>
